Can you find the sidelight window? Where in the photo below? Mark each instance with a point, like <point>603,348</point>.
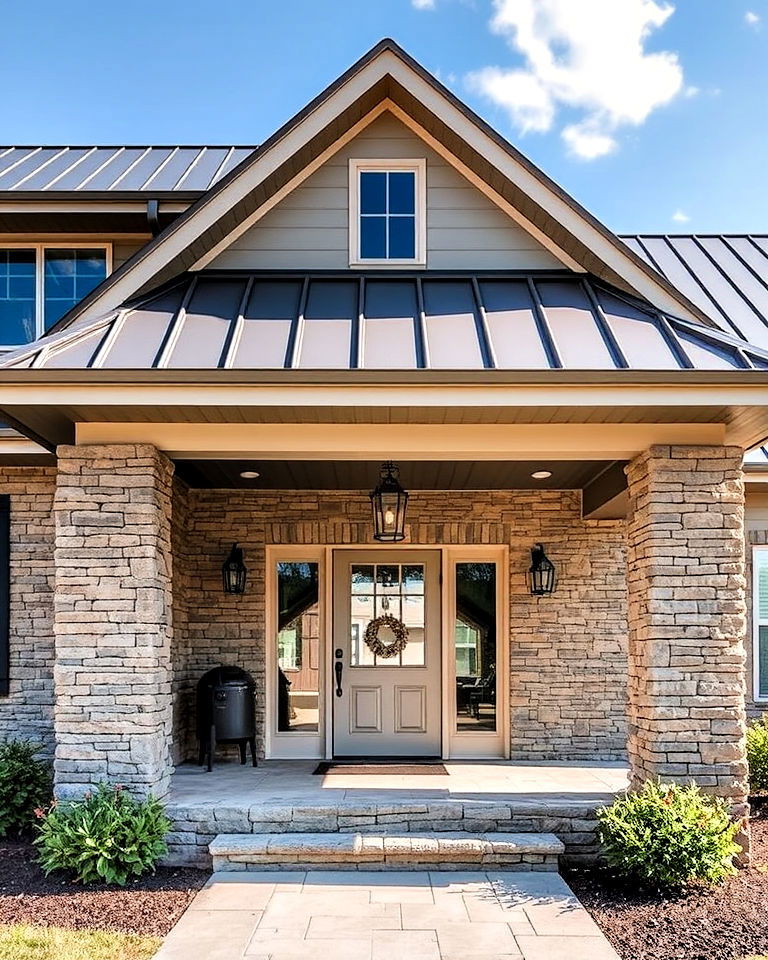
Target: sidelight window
<point>298,641</point>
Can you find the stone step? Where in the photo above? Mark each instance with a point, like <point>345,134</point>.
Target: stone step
<point>366,851</point>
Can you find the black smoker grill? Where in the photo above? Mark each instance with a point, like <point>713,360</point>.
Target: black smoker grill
<point>226,712</point>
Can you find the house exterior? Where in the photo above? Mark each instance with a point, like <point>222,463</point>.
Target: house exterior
<point>211,346</point>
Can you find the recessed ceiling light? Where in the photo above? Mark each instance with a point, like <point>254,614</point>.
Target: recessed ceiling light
<point>249,475</point>
<point>538,475</point>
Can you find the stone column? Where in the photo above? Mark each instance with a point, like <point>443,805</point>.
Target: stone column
<point>112,621</point>
<point>687,618</point>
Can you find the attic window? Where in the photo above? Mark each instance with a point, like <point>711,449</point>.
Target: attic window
<point>387,212</point>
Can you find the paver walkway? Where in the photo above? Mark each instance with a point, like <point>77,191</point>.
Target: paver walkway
<point>336,915</point>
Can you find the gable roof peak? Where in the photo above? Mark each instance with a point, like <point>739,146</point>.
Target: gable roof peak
<point>386,77</point>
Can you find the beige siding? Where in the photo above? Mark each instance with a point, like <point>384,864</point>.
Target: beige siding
<point>309,229</point>
<point>122,250</point>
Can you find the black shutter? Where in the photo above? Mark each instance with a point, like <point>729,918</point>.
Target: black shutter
<point>5,594</point>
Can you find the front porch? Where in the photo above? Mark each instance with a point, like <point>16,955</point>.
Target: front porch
<point>475,797</point>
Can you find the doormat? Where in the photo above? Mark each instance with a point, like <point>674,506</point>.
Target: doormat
<point>367,769</point>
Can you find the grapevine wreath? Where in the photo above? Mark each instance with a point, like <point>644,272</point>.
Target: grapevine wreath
<point>377,646</point>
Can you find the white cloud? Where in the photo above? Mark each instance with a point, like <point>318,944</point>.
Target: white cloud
<point>423,4</point>
<point>679,216</point>
<point>583,55</point>
<point>752,18</point>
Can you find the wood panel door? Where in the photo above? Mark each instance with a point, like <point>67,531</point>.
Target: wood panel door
<point>386,706</point>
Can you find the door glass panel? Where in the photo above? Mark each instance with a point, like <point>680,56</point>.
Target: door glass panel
<point>387,588</point>
<point>475,646</point>
<point>298,648</point>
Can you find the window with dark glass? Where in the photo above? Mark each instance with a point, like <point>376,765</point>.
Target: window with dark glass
<point>387,210</point>
<point>760,559</point>
<point>68,276</point>
<point>39,284</point>
<point>298,647</point>
<point>17,296</point>
<point>474,636</point>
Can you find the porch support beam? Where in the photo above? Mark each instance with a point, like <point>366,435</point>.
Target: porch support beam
<point>112,622</point>
<point>687,619</point>
<point>411,441</point>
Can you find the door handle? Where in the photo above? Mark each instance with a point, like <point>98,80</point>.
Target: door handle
<point>338,668</point>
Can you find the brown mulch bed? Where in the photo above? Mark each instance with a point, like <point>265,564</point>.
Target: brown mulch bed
<point>150,906</point>
<point>723,923</point>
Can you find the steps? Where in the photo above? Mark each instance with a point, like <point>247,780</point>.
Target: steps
<point>368,851</point>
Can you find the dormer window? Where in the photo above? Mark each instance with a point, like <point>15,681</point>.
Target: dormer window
<point>387,212</point>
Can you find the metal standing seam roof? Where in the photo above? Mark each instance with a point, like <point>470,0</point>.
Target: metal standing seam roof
<point>119,169</point>
<point>725,275</point>
<point>253,320</point>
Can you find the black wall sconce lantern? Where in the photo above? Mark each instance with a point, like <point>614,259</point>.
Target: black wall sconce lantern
<point>541,576</point>
<point>234,571</point>
<point>389,501</point>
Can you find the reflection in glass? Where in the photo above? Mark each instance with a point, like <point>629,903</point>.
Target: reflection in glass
<point>68,276</point>
<point>17,296</point>
<point>384,588</point>
<point>475,646</point>
<point>298,647</point>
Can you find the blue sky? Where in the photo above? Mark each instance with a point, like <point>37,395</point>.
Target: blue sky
<point>654,109</point>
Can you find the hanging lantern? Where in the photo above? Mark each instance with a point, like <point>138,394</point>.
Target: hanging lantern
<point>541,576</point>
<point>233,571</point>
<point>389,501</point>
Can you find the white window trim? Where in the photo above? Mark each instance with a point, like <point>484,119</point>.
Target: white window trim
<point>756,624</point>
<point>417,166</point>
<point>39,249</point>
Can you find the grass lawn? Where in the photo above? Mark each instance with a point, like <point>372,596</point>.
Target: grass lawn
<point>23,942</point>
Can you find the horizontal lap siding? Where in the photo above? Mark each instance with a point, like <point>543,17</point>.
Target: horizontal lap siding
<point>309,229</point>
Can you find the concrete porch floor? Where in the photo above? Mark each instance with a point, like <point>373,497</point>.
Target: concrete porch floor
<point>285,796</point>
<point>283,782</point>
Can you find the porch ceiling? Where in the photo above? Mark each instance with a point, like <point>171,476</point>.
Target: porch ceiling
<point>415,474</point>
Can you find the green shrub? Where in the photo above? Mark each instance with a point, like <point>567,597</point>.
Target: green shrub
<point>25,783</point>
<point>757,754</point>
<point>667,836</point>
<point>106,837</point>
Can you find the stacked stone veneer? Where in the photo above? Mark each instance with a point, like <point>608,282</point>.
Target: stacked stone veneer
<point>687,617</point>
<point>572,820</point>
<point>28,710</point>
<point>113,618</point>
<point>567,652</point>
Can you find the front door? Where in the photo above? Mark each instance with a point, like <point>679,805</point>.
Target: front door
<point>386,653</point>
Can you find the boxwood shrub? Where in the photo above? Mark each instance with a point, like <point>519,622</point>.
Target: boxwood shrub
<point>107,837</point>
<point>25,784</point>
<point>667,836</point>
<point>757,755</point>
